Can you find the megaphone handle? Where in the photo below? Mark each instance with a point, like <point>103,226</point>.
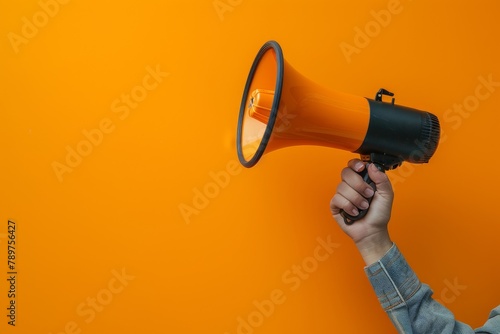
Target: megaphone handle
<point>349,219</point>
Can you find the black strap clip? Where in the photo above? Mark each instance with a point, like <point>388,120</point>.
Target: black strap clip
<point>381,92</point>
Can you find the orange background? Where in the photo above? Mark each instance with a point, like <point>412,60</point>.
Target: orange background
<point>118,212</point>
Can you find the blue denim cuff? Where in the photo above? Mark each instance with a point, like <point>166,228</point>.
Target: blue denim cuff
<point>392,279</point>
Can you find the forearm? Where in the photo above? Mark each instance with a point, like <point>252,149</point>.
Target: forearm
<point>407,301</point>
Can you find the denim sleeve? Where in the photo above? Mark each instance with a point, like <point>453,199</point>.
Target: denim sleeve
<point>409,303</point>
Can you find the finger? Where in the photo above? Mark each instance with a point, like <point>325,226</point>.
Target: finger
<point>355,181</point>
<point>356,165</point>
<point>353,196</point>
<point>339,202</point>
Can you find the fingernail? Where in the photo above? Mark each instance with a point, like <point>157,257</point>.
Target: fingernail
<point>369,192</point>
<point>364,205</point>
<point>358,166</point>
<point>355,212</point>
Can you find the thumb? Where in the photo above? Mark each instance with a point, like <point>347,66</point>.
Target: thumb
<point>381,180</point>
<point>381,206</point>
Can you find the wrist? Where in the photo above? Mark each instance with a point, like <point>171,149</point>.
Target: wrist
<point>373,247</point>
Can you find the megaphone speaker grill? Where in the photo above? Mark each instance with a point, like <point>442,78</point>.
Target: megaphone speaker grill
<point>282,108</point>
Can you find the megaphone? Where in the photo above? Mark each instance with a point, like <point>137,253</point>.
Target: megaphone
<point>282,108</point>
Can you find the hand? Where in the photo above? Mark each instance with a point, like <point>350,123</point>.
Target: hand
<point>370,234</point>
